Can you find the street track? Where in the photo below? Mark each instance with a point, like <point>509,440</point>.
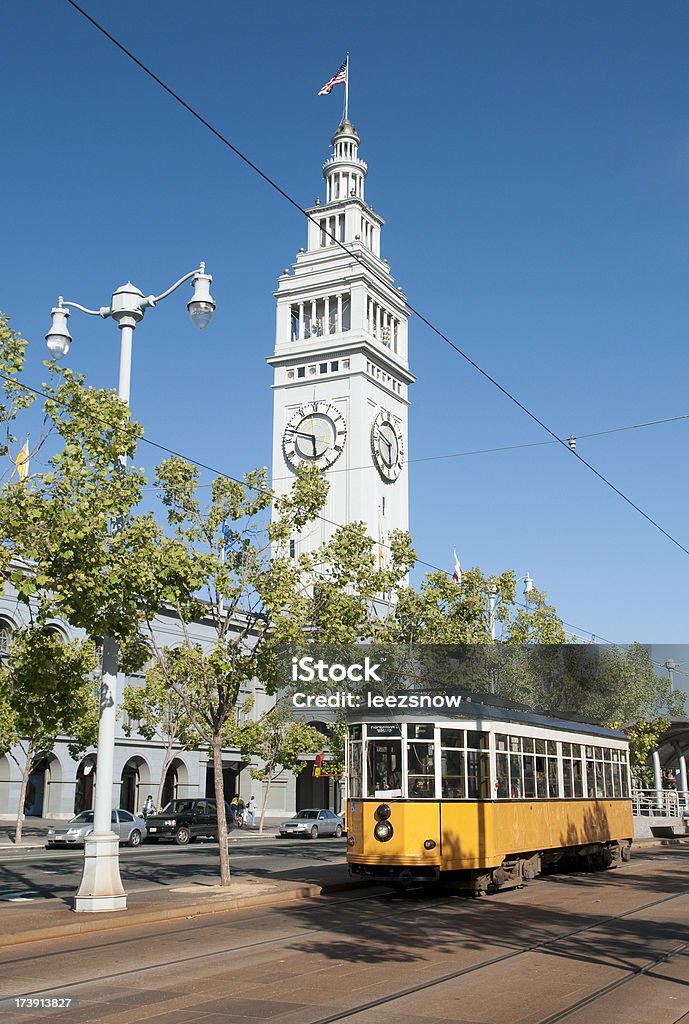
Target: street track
<point>402,909</point>
<point>433,983</point>
<point>204,925</point>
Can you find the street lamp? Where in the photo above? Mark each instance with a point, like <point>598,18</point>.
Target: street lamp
<point>492,598</point>
<point>101,886</point>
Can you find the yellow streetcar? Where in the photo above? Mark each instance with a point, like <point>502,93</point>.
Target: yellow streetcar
<point>486,797</point>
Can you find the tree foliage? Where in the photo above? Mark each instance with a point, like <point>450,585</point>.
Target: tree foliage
<point>46,690</point>
<point>280,742</point>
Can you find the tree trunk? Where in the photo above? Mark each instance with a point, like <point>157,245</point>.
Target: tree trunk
<point>266,791</point>
<point>26,771</point>
<point>220,811</point>
<point>167,761</point>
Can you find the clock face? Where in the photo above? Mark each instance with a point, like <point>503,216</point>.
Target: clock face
<point>316,433</point>
<point>387,446</point>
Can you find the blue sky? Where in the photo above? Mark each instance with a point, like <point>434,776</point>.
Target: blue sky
<point>531,163</point>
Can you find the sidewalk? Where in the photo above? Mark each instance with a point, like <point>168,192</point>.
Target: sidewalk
<point>54,918</point>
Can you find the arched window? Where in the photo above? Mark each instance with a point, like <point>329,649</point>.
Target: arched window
<point>5,635</point>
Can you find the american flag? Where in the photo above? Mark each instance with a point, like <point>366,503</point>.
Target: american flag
<point>339,76</point>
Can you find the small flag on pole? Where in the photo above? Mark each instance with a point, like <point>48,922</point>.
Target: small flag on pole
<point>457,574</point>
<point>338,78</point>
<point>22,461</point>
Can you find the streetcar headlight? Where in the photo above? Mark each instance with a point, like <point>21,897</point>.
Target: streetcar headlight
<point>351,841</point>
<point>429,844</point>
<point>383,831</point>
<point>383,812</point>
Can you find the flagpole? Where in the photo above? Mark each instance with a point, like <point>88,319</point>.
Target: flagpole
<point>346,111</point>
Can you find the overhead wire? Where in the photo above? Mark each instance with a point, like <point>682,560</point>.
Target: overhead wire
<point>227,476</point>
<point>353,255</point>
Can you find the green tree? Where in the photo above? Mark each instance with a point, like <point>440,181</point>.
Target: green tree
<point>227,565</point>
<point>280,742</point>
<point>46,690</point>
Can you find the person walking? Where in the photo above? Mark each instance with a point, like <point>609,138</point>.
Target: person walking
<point>251,811</point>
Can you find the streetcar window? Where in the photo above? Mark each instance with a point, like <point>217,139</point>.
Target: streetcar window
<point>567,774</point>
<point>420,732</point>
<point>452,769</point>
<point>553,778</point>
<point>529,777</point>
<point>384,765</point>
<point>452,738</point>
<point>500,742</point>
<point>514,743</point>
<point>590,775</point>
<point>502,782</point>
<point>355,732</point>
<point>421,769</point>
<point>478,776</point>
<point>625,774</point>
<point>552,748</point>
<point>600,790</point>
<point>477,740</point>
<point>541,781</point>
<point>540,746</point>
<point>578,777</point>
<point>609,788</point>
<point>516,777</point>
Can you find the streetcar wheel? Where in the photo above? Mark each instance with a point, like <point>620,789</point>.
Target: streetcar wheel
<point>314,831</point>
<point>182,836</point>
<point>135,838</point>
<point>338,831</point>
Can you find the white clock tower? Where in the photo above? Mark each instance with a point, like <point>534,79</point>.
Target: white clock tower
<point>341,372</point>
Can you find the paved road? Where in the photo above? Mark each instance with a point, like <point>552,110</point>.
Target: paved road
<point>577,948</point>
<point>41,874</point>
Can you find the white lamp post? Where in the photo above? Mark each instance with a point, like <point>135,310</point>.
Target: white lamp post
<point>492,598</point>
<point>101,886</point>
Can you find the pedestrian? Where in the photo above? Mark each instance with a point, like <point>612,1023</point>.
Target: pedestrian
<point>149,807</point>
<point>251,811</point>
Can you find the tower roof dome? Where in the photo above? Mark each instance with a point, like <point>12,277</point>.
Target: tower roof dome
<point>346,129</point>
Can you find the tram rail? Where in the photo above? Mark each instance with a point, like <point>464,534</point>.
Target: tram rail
<point>546,945</point>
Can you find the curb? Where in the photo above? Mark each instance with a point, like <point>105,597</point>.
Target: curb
<point>132,917</point>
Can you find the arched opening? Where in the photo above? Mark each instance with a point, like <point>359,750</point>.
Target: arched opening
<point>6,628</point>
<point>176,783</point>
<point>46,774</point>
<point>84,790</point>
<point>5,776</point>
<point>135,778</point>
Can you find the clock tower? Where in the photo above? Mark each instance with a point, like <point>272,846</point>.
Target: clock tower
<point>341,372</point>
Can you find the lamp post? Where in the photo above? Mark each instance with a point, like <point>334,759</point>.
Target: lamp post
<point>101,886</point>
<point>492,598</point>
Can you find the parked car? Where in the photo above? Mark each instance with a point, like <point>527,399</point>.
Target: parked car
<point>314,822</point>
<point>185,820</point>
<point>129,827</point>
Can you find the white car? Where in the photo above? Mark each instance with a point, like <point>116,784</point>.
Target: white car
<point>314,822</point>
<point>130,828</point>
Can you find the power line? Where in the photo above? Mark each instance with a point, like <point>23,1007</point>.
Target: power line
<point>509,447</point>
<point>203,465</point>
<point>262,490</point>
<point>352,255</point>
